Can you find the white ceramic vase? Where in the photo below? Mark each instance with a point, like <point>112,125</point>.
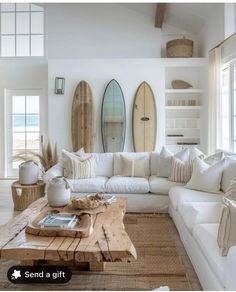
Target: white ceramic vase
<point>58,192</point>
<point>28,172</point>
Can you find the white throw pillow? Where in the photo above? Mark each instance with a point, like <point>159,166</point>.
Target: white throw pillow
<point>227,227</point>
<point>214,158</point>
<point>231,190</point>
<point>206,177</point>
<point>165,159</point>
<point>195,152</point>
<point>229,172</point>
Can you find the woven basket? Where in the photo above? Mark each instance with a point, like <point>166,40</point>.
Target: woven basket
<point>179,48</point>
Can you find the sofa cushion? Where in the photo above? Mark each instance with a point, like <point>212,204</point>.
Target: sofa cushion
<point>179,195</point>
<point>161,185</point>
<point>118,163</point>
<point>194,213</point>
<point>103,163</point>
<point>206,237</point>
<point>153,162</point>
<point>86,185</point>
<point>129,185</point>
<point>229,172</point>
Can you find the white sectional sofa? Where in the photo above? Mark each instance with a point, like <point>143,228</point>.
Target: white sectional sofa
<point>196,214</point>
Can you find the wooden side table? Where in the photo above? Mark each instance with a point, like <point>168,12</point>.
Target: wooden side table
<point>24,195</point>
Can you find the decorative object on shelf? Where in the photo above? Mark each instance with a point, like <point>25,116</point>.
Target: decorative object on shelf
<point>187,143</point>
<point>83,118</point>
<point>58,192</point>
<point>59,85</point>
<point>180,84</point>
<point>24,195</point>
<point>175,135</point>
<point>113,118</point>
<point>179,48</point>
<point>48,156</point>
<point>144,119</point>
<point>92,201</point>
<point>28,172</point>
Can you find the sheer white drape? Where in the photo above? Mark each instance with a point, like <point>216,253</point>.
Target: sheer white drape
<point>215,117</point>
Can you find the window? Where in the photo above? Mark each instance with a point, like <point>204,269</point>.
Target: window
<point>22,30</point>
<point>24,125</point>
<point>229,106</point>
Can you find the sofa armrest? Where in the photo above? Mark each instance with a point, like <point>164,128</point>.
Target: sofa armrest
<point>230,279</point>
<point>56,170</point>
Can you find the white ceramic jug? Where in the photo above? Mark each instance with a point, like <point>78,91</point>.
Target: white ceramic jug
<point>58,192</point>
<point>28,172</point>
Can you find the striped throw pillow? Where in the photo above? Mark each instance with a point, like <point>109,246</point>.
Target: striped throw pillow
<point>77,167</point>
<point>180,171</point>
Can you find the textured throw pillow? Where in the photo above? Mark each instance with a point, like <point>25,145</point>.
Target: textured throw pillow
<point>231,190</point>
<point>76,166</point>
<point>180,171</point>
<point>227,227</point>
<point>164,161</point>
<point>229,172</point>
<point>206,177</point>
<point>214,158</point>
<point>133,167</point>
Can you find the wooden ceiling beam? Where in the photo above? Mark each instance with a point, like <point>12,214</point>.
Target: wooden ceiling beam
<point>160,14</point>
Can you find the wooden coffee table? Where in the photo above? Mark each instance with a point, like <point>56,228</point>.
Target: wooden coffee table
<point>109,241</point>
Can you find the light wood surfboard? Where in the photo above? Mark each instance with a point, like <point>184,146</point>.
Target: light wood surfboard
<point>144,119</point>
<point>82,118</point>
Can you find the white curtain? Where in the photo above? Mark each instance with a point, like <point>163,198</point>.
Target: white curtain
<point>215,119</point>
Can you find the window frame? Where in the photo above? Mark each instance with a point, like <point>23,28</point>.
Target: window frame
<point>9,171</point>
<point>30,34</point>
<point>232,115</point>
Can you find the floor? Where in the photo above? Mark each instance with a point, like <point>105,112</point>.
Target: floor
<point>6,204</point>
<point>162,259</point>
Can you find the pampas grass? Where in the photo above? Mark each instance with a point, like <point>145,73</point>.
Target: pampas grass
<point>47,157</point>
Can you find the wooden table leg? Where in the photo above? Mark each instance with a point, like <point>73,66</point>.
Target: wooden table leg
<point>97,266</point>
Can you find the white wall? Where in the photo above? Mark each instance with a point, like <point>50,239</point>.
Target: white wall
<point>100,31</point>
<point>213,31</point>
<point>98,72</point>
<point>19,74</point>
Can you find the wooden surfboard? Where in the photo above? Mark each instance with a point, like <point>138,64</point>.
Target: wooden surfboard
<point>144,119</point>
<point>82,118</point>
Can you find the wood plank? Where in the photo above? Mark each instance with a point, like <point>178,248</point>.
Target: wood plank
<point>109,241</point>
<point>26,247</point>
<point>17,224</point>
<point>97,267</point>
<point>160,14</point>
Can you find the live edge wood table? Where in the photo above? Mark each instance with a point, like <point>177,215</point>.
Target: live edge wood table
<point>109,241</point>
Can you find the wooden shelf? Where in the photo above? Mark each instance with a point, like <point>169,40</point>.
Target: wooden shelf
<point>186,107</point>
<point>185,137</point>
<point>183,91</point>
<point>181,129</point>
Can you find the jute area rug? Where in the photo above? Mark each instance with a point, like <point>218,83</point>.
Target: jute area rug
<point>162,261</point>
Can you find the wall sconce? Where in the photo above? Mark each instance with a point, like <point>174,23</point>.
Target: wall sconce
<point>59,85</point>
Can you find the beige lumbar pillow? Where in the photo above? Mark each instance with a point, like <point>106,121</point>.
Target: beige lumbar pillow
<point>206,177</point>
<point>180,171</point>
<point>227,227</point>
<point>133,167</point>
